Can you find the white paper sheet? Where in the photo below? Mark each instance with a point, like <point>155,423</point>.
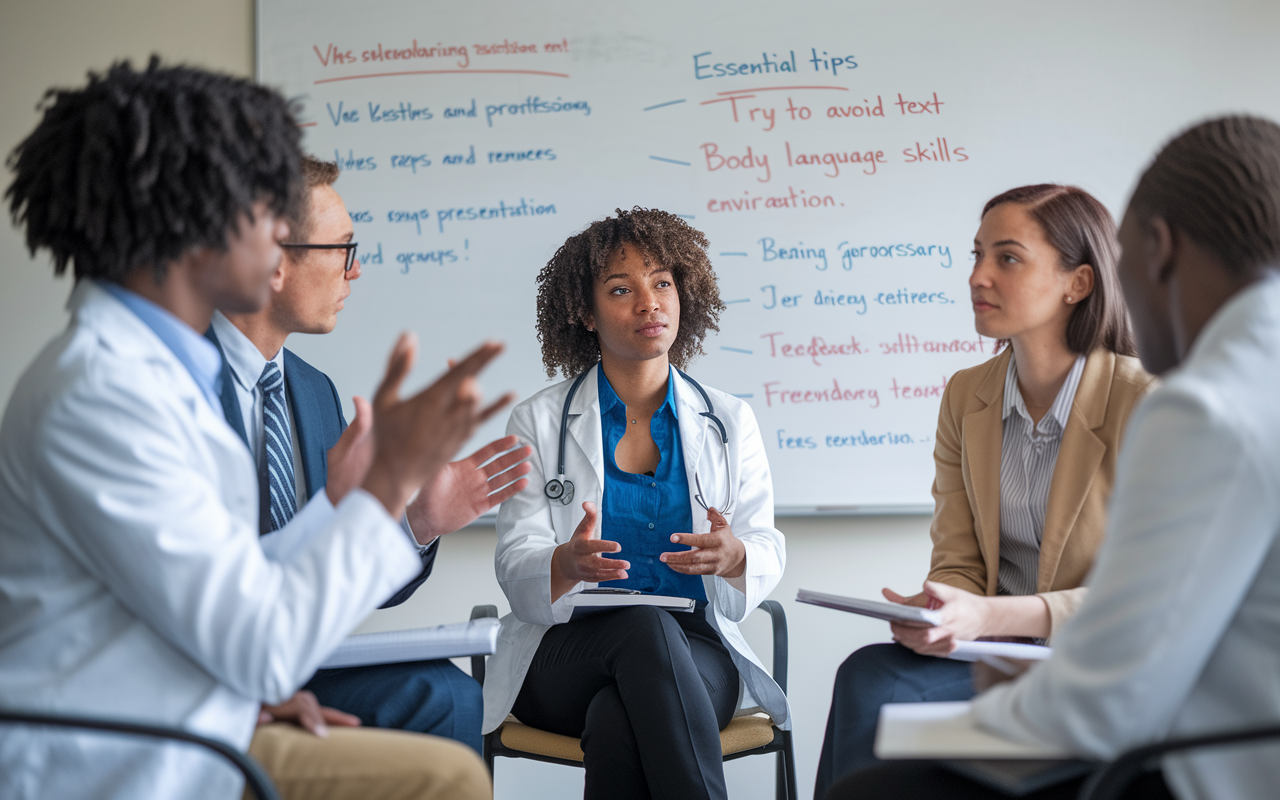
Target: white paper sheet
<point>477,637</point>
<point>591,600</point>
<point>946,730</point>
<point>869,608</point>
<point>981,651</point>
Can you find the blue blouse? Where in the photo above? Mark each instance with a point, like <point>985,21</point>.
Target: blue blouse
<point>640,512</point>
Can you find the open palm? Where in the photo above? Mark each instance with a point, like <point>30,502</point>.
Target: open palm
<point>465,489</point>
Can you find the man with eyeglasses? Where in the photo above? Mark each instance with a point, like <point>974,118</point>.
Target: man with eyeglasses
<point>290,414</point>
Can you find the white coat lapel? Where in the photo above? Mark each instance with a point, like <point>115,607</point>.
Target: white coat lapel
<point>584,434</point>
<point>121,330</point>
<point>693,438</point>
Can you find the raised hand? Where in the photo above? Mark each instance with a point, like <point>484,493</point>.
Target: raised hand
<point>580,558</point>
<point>465,489</point>
<point>415,438</point>
<point>716,553</point>
<point>350,457</point>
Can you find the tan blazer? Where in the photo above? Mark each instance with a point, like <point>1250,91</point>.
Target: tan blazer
<point>966,489</point>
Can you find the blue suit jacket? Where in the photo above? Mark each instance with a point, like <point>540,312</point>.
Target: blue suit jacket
<point>317,413</point>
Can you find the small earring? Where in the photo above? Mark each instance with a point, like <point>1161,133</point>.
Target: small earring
<point>1068,299</point>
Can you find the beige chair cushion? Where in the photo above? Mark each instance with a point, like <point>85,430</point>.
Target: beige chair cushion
<point>743,733</point>
<point>518,736</point>
<point>746,733</point>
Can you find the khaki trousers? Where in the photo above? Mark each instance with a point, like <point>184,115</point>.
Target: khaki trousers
<point>368,764</point>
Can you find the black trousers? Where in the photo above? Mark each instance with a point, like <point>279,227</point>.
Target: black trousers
<point>647,690</point>
<point>925,780</point>
<point>872,676</point>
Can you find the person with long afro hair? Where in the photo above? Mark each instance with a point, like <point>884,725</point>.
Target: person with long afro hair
<point>658,486</point>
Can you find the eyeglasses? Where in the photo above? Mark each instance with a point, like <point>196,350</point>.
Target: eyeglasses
<point>350,247</point>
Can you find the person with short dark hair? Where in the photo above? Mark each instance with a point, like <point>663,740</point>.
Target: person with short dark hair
<point>1026,454</point>
<point>133,584</point>
<point>308,290</point>
<point>663,465</point>
<point>1180,632</point>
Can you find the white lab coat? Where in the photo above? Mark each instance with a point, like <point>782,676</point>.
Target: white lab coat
<point>1180,633</point>
<point>530,527</point>
<point>133,584</point>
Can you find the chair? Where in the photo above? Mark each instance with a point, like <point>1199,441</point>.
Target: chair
<point>749,735</point>
<point>255,778</point>
<point>1109,782</point>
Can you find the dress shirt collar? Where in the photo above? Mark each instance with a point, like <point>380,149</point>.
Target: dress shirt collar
<point>1059,412</point>
<point>195,352</point>
<point>609,398</point>
<point>243,357</point>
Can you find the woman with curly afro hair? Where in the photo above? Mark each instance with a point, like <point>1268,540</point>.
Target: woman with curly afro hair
<point>644,482</point>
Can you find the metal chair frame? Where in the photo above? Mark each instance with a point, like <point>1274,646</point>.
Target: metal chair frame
<point>255,777</point>
<point>1109,782</point>
<point>785,774</point>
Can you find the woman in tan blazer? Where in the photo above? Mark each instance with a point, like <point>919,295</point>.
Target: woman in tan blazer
<point>1025,458</point>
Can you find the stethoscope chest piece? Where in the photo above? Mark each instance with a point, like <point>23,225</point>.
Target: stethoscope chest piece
<point>560,490</point>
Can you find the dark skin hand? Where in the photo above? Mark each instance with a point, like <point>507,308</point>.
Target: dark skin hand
<point>716,553</point>
<point>351,455</point>
<point>582,558</point>
<point>413,439</point>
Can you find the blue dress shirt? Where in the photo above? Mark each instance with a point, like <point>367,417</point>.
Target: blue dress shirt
<point>640,512</point>
<point>197,354</point>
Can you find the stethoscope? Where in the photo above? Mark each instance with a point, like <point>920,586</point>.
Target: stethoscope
<point>560,489</point>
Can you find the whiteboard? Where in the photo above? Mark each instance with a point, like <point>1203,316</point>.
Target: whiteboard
<point>836,154</point>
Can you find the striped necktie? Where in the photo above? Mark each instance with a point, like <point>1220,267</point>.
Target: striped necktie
<point>276,481</point>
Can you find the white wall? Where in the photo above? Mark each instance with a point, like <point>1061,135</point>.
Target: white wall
<point>45,43</point>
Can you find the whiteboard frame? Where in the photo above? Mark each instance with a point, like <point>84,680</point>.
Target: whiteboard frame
<point>490,518</point>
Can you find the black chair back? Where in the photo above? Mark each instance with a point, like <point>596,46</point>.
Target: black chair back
<point>255,778</point>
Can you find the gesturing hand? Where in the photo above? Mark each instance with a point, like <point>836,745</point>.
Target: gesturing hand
<point>716,553</point>
<point>963,619</point>
<point>580,559</point>
<point>350,457</point>
<point>305,711</point>
<point>415,438</point>
<point>464,489</point>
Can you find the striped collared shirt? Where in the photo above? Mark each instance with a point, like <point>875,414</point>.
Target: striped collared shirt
<point>1028,454</point>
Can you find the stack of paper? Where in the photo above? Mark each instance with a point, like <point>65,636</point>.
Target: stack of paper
<point>594,601</point>
<point>989,652</point>
<point>870,608</point>
<point>986,651</point>
<point>949,733</point>
<point>474,638</point>
<point>946,730</point>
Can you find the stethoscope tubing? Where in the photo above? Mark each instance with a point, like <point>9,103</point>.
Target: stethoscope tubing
<point>560,489</point>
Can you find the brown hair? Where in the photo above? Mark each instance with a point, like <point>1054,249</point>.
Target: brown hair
<point>1082,231</point>
<point>1219,183</point>
<point>566,286</point>
<point>314,173</point>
